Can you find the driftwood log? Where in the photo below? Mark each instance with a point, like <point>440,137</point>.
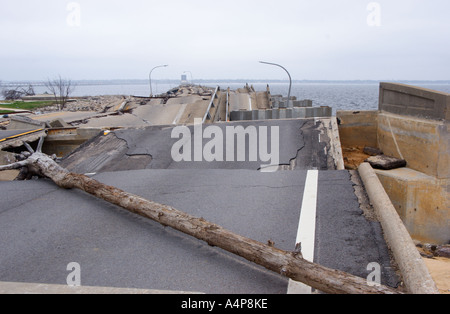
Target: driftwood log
<point>288,264</point>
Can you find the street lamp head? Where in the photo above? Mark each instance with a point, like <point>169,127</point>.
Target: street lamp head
<point>290,79</point>
<point>150,76</point>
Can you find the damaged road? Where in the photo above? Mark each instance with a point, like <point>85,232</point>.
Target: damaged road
<point>151,148</point>
<point>119,249</point>
<point>114,249</point>
<point>208,171</point>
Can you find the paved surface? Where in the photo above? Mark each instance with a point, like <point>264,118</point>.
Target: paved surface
<point>157,114</point>
<point>15,138</point>
<point>5,134</point>
<point>11,109</point>
<point>44,228</point>
<point>67,116</point>
<point>36,288</point>
<point>240,101</point>
<point>300,142</point>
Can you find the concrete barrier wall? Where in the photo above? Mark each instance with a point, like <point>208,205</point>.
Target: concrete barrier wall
<point>414,101</point>
<point>358,128</point>
<point>287,113</point>
<point>424,144</point>
<point>413,124</point>
<point>421,201</point>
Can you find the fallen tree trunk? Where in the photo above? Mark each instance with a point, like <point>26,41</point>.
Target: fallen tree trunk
<point>288,264</point>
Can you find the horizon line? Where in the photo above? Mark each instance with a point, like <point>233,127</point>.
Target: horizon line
<point>233,80</point>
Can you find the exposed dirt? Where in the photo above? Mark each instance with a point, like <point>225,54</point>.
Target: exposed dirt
<point>353,157</point>
<point>436,257</point>
<point>439,268</point>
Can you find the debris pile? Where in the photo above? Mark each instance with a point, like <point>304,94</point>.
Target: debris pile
<point>96,103</point>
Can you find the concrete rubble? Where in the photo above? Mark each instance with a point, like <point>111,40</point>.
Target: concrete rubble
<point>384,162</point>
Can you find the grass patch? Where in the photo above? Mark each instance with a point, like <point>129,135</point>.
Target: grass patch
<point>27,105</point>
<point>3,112</point>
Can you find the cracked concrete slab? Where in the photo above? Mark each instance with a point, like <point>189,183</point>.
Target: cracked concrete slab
<point>299,145</point>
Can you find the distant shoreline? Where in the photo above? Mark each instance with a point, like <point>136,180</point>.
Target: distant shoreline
<point>232,81</point>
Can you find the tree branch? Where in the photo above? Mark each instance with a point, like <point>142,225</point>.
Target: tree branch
<point>15,166</point>
<point>40,144</point>
<point>29,148</point>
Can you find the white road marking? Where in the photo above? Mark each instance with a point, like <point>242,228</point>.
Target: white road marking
<point>307,228</point>
<point>180,114</point>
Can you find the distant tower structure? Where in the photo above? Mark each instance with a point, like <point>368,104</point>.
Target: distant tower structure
<point>184,80</point>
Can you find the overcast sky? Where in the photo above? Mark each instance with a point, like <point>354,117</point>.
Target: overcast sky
<point>314,40</point>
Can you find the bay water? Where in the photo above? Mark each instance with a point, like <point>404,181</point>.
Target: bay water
<point>339,96</point>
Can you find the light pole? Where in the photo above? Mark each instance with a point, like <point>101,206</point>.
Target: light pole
<point>290,80</point>
<point>192,78</point>
<point>150,77</point>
